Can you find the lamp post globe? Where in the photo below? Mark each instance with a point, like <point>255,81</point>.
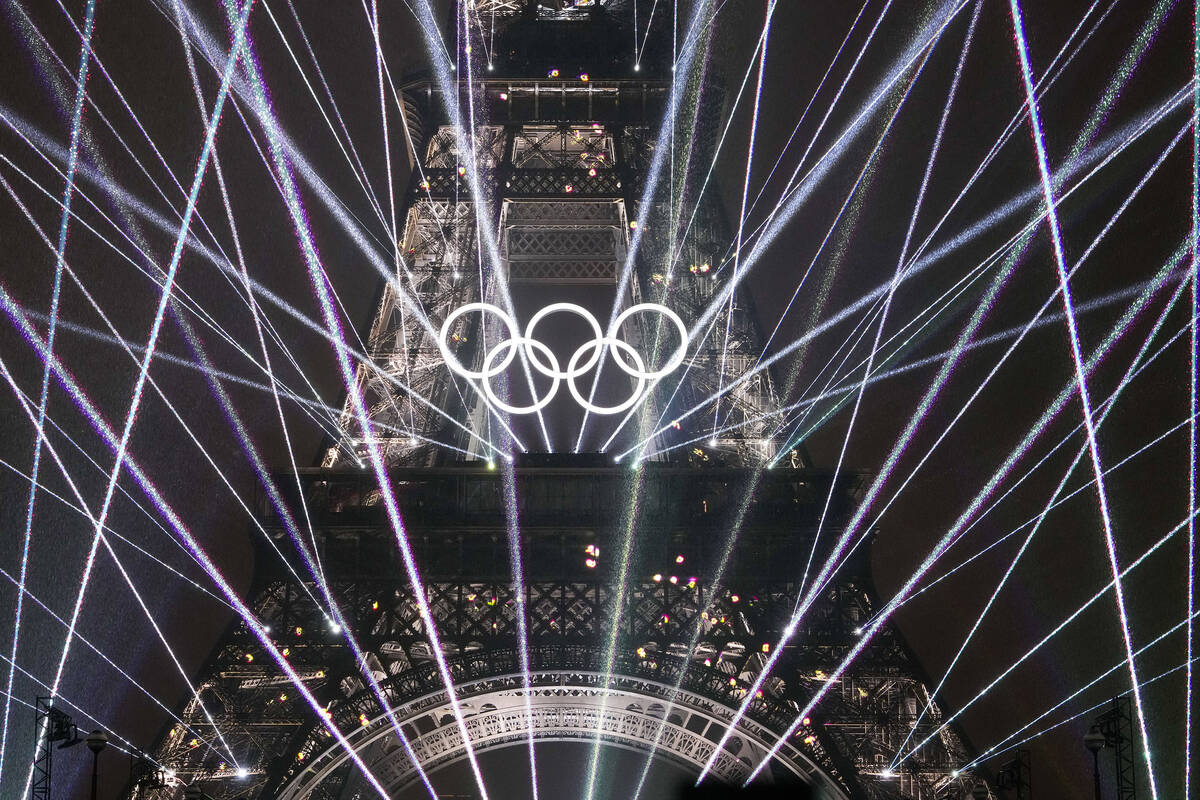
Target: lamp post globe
<point>97,740</point>
<point>1094,740</point>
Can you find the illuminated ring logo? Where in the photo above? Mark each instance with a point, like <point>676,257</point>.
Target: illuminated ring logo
<point>542,359</point>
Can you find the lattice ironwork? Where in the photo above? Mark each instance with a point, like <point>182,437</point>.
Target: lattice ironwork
<point>459,542</point>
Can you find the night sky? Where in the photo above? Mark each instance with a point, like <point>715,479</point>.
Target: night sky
<point>139,47</point>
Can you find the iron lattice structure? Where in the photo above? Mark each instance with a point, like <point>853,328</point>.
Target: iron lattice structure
<point>563,164</point>
<point>456,524</point>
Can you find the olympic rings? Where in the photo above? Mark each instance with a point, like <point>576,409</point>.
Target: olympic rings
<point>542,359</point>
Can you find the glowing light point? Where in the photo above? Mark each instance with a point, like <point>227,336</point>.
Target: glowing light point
<point>243,772</point>
<point>592,172</point>
<point>734,598</point>
<point>953,773</point>
<point>553,73</point>
<point>657,577</point>
<point>335,628</point>
<point>462,171</point>
<point>633,224</point>
<point>806,721</point>
<point>674,579</point>
<point>858,631</point>
<point>679,559</point>
<point>504,96</point>
<point>591,563</point>
<point>583,76</point>
<point>637,67</point>
<point>490,67</point>
<point>568,188</point>
<point>491,465</point>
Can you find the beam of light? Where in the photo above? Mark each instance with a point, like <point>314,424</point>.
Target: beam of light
<point>1035,125</point>
<point>194,344</point>
<point>39,423</point>
<point>109,531</point>
<point>258,289</point>
<point>680,73</point>
<point>618,600</point>
<point>1060,502</point>
<point>958,528</point>
<point>898,271</point>
<point>356,166</point>
<point>116,668</point>
<point>639,51</point>
<point>710,313</point>
<point>320,283</point>
<point>799,191</point>
<point>844,390</point>
<point>117,741</point>
<point>1192,392</point>
<point>978,229</point>
<point>838,96</point>
<point>156,327</point>
<point>920,193</point>
<point>868,633</point>
<point>895,282</point>
<point>999,748</point>
<point>43,439</point>
<point>442,68</point>
<point>29,134</point>
<point>1064,396</point>
<point>101,426</point>
<point>899,758</point>
<point>512,526</point>
<point>1022,238</point>
<point>1041,311</point>
<point>311,558</point>
<point>804,114</point>
<point>154,385</point>
<point>387,159</point>
<point>682,238</point>
<point>762,68</point>
<point>309,406</point>
<point>831,563</point>
<point>1044,86</point>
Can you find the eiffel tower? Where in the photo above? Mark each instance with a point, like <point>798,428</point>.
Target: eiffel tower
<point>568,130</point>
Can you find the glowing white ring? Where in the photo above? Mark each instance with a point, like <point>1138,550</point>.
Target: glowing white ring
<point>616,345</point>
<point>676,358</point>
<point>453,363</point>
<point>577,310</point>
<point>512,345</point>
<point>500,357</point>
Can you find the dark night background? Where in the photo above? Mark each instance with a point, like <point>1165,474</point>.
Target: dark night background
<point>137,43</point>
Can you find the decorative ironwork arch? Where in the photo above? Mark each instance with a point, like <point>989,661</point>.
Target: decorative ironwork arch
<point>631,712</point>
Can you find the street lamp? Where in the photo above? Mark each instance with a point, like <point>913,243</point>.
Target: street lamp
<point>1094,741</point>
<point>97,740</point>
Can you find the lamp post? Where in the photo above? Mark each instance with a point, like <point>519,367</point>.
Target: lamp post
<point>96,741</point>
<point>1094,741</point>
